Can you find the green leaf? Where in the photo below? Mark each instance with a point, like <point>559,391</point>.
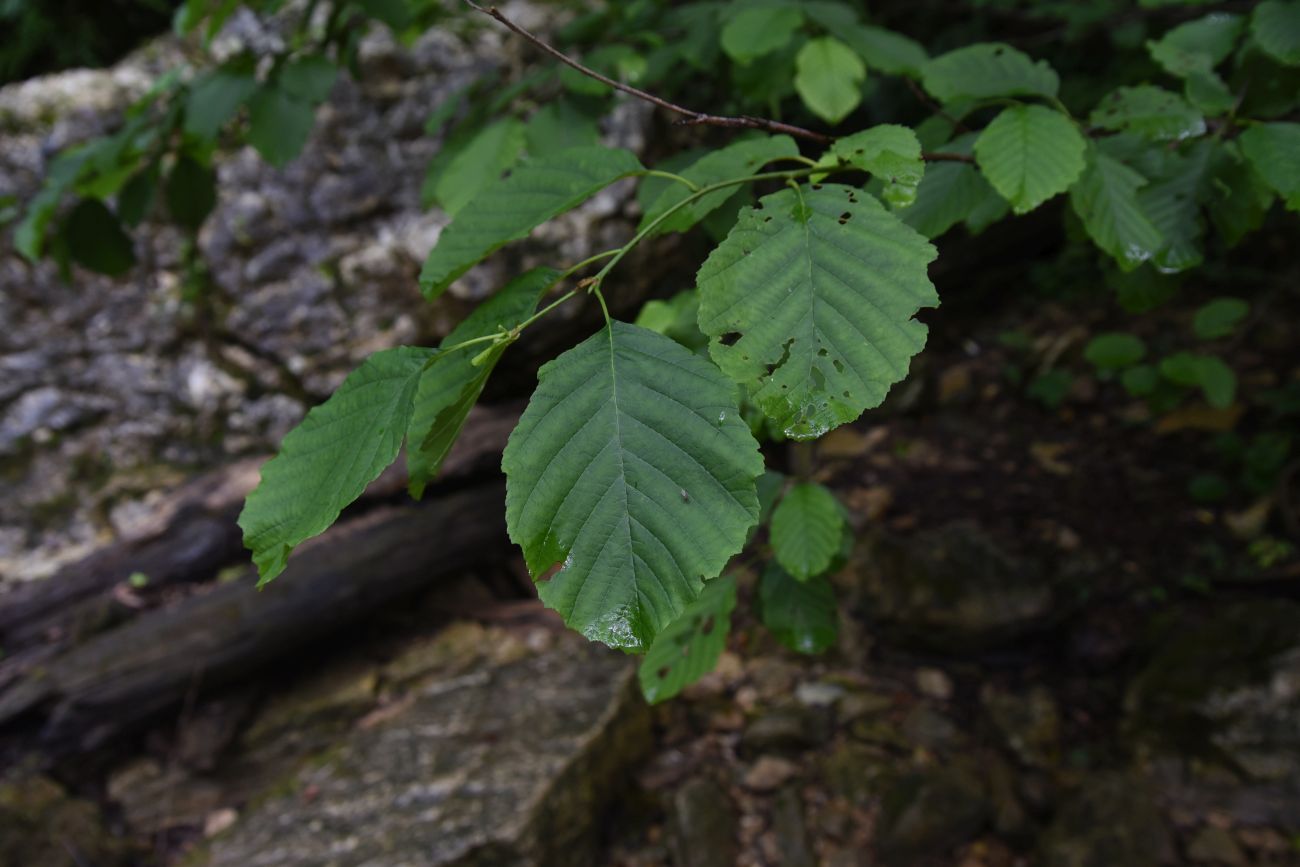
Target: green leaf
<point>137,197</point>
<point>986,70</point>
<point>619,62</point>
<point>891,53</point>
<point>1172,201</point>
<point>308,78</point>
<point>890,153</point>
<point>1151,112</point>
<point>809,303</point>
<point>1115,350</point>
<point>558,126</point>
<point>1274,151</point>
<point>1276,28</point>
<point>215,97</point>
<point>690,646</point>
<point>95,239</point>
<point>1237,198</point>
<point>1030,154</point>
<point>738,159</point>
<point>278,125</point>
<point>328,459</point>
<point>802,615</point>
<point>511,208</point>
<point>479,164</point>
<point>395,13</point>
<point>1140,380</point>
<point>675,319</point>
<point>1209,373</point>
<point>451,384</point>
<point>759,30</point>
<point>829,78</point>
<point>1106,200</point>
<point>833,17</point>
<point>1197,46</point>
<point>191,192</point>
<point>1208,92</point>
<point>632,467</point>
<point>1219,318</point>
<point>806,530</point>
<point>953,192</point>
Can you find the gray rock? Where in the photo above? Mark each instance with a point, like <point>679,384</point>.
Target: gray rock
<point>790,830</point>
<point>786,729</point>
<point>1029,723</point>
<point>508,765</point>
<point>929,812</point>
<point>1112,821</point>
<point>703,826</point>
<point>41,825</point>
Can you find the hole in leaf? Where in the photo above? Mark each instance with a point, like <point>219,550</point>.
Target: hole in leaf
<point>816,186</point>
<point>839,365</point>
<point>664,672</point>
<point>845,217</point>
<point>707,628</point>
<point>730,338</point>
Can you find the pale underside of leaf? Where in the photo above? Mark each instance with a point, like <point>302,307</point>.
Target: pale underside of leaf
<point>809,303</point>
<point>633,468</point>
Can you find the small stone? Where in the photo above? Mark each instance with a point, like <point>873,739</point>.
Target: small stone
<point>1215,846</point>
<point>934,683</point>
<point>770,773</point>
<point>1030,723</point>
<point>928,728</point>
<point>929,812</point>
<point>818,694</point>
<point>780,730</point>
<point>790,831</point>
<point>704,826</point>
<point>219,820</point>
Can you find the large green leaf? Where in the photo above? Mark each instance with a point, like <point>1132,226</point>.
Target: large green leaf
<point>1276,28</point>
<point>802,615</point>
<point>1030,154</point>
<point>891,153</point>
<point>809,303</point>
<point>451,385</point>
<point>807,527</point>
<point>511,208</point>
<point>736,160</point>
<point>890,52</point>
<point>480,163</point>
<point>1274,150</point>
<point>759,30</point>
<point>328,459</point>
<point>828,78</point>
<point>986,70</point>
<point>1151,112</point>
<point>632,467</point>
<point>690,646</point>
<point>1106,199</point>
<point>1197,46</point>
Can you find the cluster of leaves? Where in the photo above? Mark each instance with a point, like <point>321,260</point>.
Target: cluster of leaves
<point>635,473</point>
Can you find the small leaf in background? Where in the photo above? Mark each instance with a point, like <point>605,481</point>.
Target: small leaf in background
<point>1114,350</point>
<point>308,78</point>
<point>769,486</point>
<point>214,99</point>
<point>1030,154</point>
<point>137,197</point>
<point>1151,112</point>
<point>328,459</point>
<point>689,647</point>
<point>95,239</point>
<point>558,126</point>
<point>1208,92</point>
<point>1219,318</point>
<point>675,318</point>
<point>509,209</point>
<point>1275,25</point>
<point>1106,200</point>
<point>1274,151</point>
<point>1197,46</point>
<point>621,63</point>
<point>802,615</point>
<point>479,164</point>
<point>1140,380</point>
<point>759,30</point>
<point>806,529</point>
<point>1051,388</point>
<point>1209,373</point>
<point>191,192</point>
<point>829,78</point>
<point>1208,488</point>
<point>278,125</point>
<point>891,53</point>
<point>986,70</point>
<point>888,152</point>
<point>395,13</point>
<point>1237,198</point>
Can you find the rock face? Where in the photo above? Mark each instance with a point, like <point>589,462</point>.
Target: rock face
<point>511,765</point>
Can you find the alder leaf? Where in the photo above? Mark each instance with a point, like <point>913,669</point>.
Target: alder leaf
<point>509,209</point>
<point>829,78</point>
<point>1274,151</point>
<point>690,646</point>
<point>1275,25</point>
<point>802,615</point>
<point>890,153</point>
<point>1148,111</point>
<point>481,162</point>
<point>740,158</point>
<point>328,459</point>
<point>759,30</point>
<point>215,97</point>
<point>1106,200</point>
<point>451,385</point>
<point>806,530</point>
<point>1030,154</point>
<point>891,53</point>
<point>278,125</point>
<point>809,304</point>
<point>632,467</point>
<point>986,70</point>
<point>952,193</point>
<point>1197,46</point>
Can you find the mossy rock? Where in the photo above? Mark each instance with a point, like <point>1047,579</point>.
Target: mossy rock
<point>41,825</point>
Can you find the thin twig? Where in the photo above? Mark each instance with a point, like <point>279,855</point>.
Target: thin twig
<point>690,117</point>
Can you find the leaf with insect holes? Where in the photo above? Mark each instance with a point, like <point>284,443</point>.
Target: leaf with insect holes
<point>451,385</point>
<point>632,467</point>
<point>1030,154</point>
<point>806,530</point>
<point>690,646</point>
<point>509,209</point>
<point>802,615</point>
<point>809,303</point>
<point>329,458</point>
<point>889,152</point>
<point>1151,112</point>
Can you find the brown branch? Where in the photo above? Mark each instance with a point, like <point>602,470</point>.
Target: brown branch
<point>690,117</point>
